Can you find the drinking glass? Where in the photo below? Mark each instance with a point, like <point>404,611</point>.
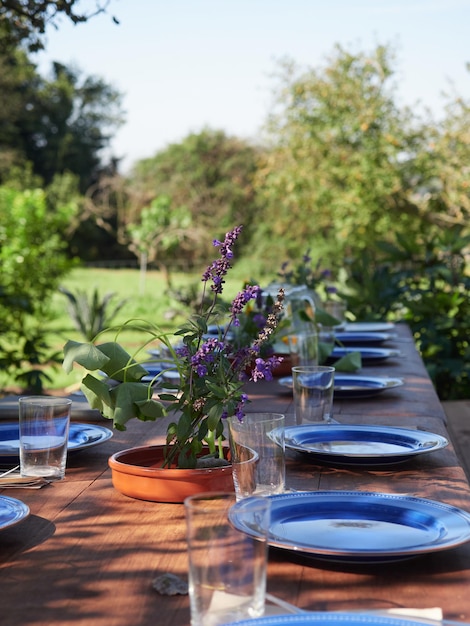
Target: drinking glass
<point>313,388</point>
<point>257,448</point>
<point>44,429</point>
<point>227,568</point>
<point>303,347</point>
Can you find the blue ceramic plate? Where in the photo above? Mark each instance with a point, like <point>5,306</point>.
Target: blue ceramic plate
<point>342,444</point>
<point>12,511</point>
<point>330,619</point>
<point>358,339</point>
<point>368,327</point>
<point>80,436</point>
<point>351,386</point>
<point>368,355</point>
<point>359,527</point>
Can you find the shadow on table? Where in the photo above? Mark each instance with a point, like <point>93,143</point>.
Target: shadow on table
<point>23,536</point>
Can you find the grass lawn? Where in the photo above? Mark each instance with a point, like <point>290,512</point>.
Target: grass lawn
<point>145,299</point>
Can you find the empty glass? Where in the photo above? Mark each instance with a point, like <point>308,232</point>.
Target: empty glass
<point>313,388</point>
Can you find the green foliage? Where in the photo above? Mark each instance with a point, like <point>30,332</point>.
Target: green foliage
<point>342,165</point>
<point>33,261</point>
<point>211,371</point>
<point>91,314</point>
<point>159,233</point>
<point>26,23</point>
<point>423,280</point>
<point>211,176</point>
<point>58,125</point>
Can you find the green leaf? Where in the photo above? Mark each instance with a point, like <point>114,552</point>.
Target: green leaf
<point>183,428</point>
<point>349,363</point>
<point>150,409</point>
<point>126,397</point>
<point>120,365</point>
<point>324,318</point>
<point>214,415</point>
<point>98,395</point>
<point>217,390</point>
<point>85,354</point>
<point>324,351</point>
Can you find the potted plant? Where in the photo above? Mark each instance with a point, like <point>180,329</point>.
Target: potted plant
<point>211,374</point>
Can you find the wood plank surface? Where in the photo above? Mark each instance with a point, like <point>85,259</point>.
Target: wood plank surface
<point>88,555</point>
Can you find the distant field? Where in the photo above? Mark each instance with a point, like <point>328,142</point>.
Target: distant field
<point>146,299</point>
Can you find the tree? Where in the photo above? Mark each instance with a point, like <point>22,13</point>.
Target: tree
<point>211,175</point>
<point>341,166</point>
<point>58,125</point>
<point>445,190</point>
<point>25,22</point>
<point>158,234</point>
<point>33,260</point>
<point>68,122</point>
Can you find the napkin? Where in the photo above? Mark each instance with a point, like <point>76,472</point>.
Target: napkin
<point>275,606</point>
<point>15,481</point>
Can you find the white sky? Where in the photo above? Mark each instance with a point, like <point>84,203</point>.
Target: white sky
<point>183,65</point>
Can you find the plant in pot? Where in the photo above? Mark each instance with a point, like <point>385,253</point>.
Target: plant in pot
<point>211,373</point>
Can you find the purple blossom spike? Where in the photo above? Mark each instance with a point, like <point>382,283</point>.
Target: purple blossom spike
<point>218,269</point>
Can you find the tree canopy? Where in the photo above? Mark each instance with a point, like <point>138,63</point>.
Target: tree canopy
<point>24,22</point>
<point>58,124</point>
<point>210,175</point>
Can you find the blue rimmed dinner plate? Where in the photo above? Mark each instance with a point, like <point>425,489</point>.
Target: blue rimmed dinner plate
<point>369,445</point>
<point>368,355</point>
<point>330,619</point>
<point>358,527</point>
<point>368,327</point>
<point>81,436</point>
<point>358,338</point>
<point>352,386</point>
<point>12,511</point>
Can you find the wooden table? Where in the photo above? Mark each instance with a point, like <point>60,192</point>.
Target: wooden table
<point>88,555</point>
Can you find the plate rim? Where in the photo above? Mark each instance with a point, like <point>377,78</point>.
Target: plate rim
<point>373,352</point>
<point>358,554</point>
<point>371,337</point>
<point>389,457</point>
<point>333,618</point>
<point>397,381</point>
<point>106,434</point>
<point>384,326</point>
<point>23,511</point>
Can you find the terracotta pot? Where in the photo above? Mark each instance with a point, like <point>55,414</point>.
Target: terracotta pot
<point>137,473</point>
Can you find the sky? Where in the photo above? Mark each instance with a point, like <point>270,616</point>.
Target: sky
<point>186,65</point>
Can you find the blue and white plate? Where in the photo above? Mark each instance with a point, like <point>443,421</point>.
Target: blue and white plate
<point>81,436</point>
<point>364,445</point>
<point>352,386</point>
<point>358,527</point>
<point>330,619</point>
<point>368,327</point>
<point>359,339</point>
<point>12,511</point>
<point>368,355</point>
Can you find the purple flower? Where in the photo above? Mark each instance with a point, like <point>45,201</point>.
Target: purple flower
<point>259,320</point>
<point>219,268</point>
<point>249,293</point>
<point>205,355</point>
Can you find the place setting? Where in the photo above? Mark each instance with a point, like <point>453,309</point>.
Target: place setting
<point>35,447</point>
<point>325,528</point>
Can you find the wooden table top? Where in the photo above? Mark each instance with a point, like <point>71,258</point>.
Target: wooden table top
<point>88,555</point>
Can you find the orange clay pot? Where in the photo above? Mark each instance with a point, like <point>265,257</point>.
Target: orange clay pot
<point>137,473</point>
